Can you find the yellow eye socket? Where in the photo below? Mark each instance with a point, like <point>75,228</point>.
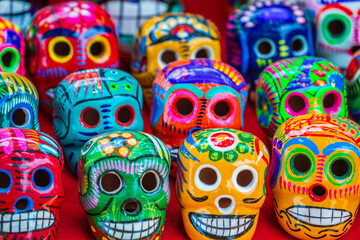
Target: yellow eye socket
<point>60,49</point>
<point>98,49</point>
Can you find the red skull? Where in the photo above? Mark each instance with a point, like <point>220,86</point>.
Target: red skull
<point>65,38</point>
<point>31,184</point>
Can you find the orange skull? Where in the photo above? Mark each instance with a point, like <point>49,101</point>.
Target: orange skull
<point>220,183</point>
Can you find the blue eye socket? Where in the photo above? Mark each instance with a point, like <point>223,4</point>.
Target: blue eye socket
<point>22,116</point>
<point>5,181</point>
<point>265,48</point>
<point>42,178</point>
<point>299,46</point>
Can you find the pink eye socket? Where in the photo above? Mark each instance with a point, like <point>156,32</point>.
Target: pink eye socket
<point>222,109</point>
<point>184,107</point>
<point>296,104</point>
<point>332,102</point>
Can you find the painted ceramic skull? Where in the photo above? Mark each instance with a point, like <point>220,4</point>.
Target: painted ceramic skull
<point>314,175</point>
<point>129,15</point>
<point>65,38</point>
<point>298,86</point>
<point>170,37</point>
<point>124,185</point>
<point>264,32</point>
<point>90,102</point>
<point>12,48</point>
<point>19,102</point>
<point>337,26</point>
<point>220,183</point>
<point>196,94</point>
<point>353,86</point>
<point>31,184</point>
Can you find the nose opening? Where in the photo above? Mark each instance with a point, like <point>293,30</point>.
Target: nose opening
<point>23,204</point>
<point>225,202</point>
<point>131,207</point>
<point>318,193</point>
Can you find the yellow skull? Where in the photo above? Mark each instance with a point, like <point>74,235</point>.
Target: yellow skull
<point>314,175</point>
<point>170,37</point>
<point>221,183</point>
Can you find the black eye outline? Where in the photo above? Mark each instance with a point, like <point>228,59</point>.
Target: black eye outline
<point>50,177</point>
<point>245,169</point>
<point>131,113</point>
<point>9,178</point>
<point>204,186</point>
<point>158,181</point>
<point>86,111</point>
<point>304,49</point>
<point>113,174</point>
<point>163,63</point>
<point>18,111</point>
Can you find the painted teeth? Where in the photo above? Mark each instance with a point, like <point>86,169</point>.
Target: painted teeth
<point>321,217</point>
<point>222,226</point>
<point>131,230</point>
<point>26,222</point>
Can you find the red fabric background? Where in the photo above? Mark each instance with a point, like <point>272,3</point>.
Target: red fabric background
<point>73,224</point>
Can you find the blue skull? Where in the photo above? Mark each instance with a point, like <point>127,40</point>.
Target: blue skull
<point>264,32</point>
<point>91,102</point>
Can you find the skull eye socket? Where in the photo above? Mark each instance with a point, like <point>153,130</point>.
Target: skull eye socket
<point>299,45</point>
<point>167,56</point>
<point>110,182</point>
<point>42,178</point>
<point>9,59</point>
<point>21,116</point>
<point>98,49</point>
<point>203,52</point>
<point>5,181</point>
<point>222,109</point>
<point>340,168</point>
<point>60,49</point>
<point>296,104</point>
<point>245,178</point>
<point>265,48</point>
<point>125,116</point>
<point>184,107</point>
<point>207,177</point>
<point>336,27</point>
<point>90,117</point>
<point>150,181</point>
<point>301,164</point>
<point>332,102</point>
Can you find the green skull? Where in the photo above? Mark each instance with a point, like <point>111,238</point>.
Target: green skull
<point>124,185</point>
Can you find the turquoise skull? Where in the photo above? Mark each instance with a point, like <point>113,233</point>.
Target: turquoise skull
<point>88,103</point>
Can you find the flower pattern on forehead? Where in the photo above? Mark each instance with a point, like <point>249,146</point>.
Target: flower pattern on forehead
<point>138,166</point>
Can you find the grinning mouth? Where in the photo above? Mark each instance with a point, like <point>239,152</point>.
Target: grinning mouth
<point>131,230</point>
<point>26,221</point>
<point>319,217</point>
<point>220,226</point>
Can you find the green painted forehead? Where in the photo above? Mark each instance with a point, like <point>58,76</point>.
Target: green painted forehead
<point>303,73</point>
<point>129,145</point>
<point>12,84</point>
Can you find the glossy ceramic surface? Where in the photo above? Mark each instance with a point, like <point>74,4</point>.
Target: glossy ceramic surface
<point>65,38</point>
<point>12,48</point>
<point>170,37</point>
<point>31,184</point>
<point>95,101</point>
<point>352,76</point>
<point>124,185</point>
<point>19,102</point>
<point>264,32</point>
<point>220,183</point>
<point>314,175</point>
<point>337,27</point>
<point>298,86</point>
<point>191,95</point>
